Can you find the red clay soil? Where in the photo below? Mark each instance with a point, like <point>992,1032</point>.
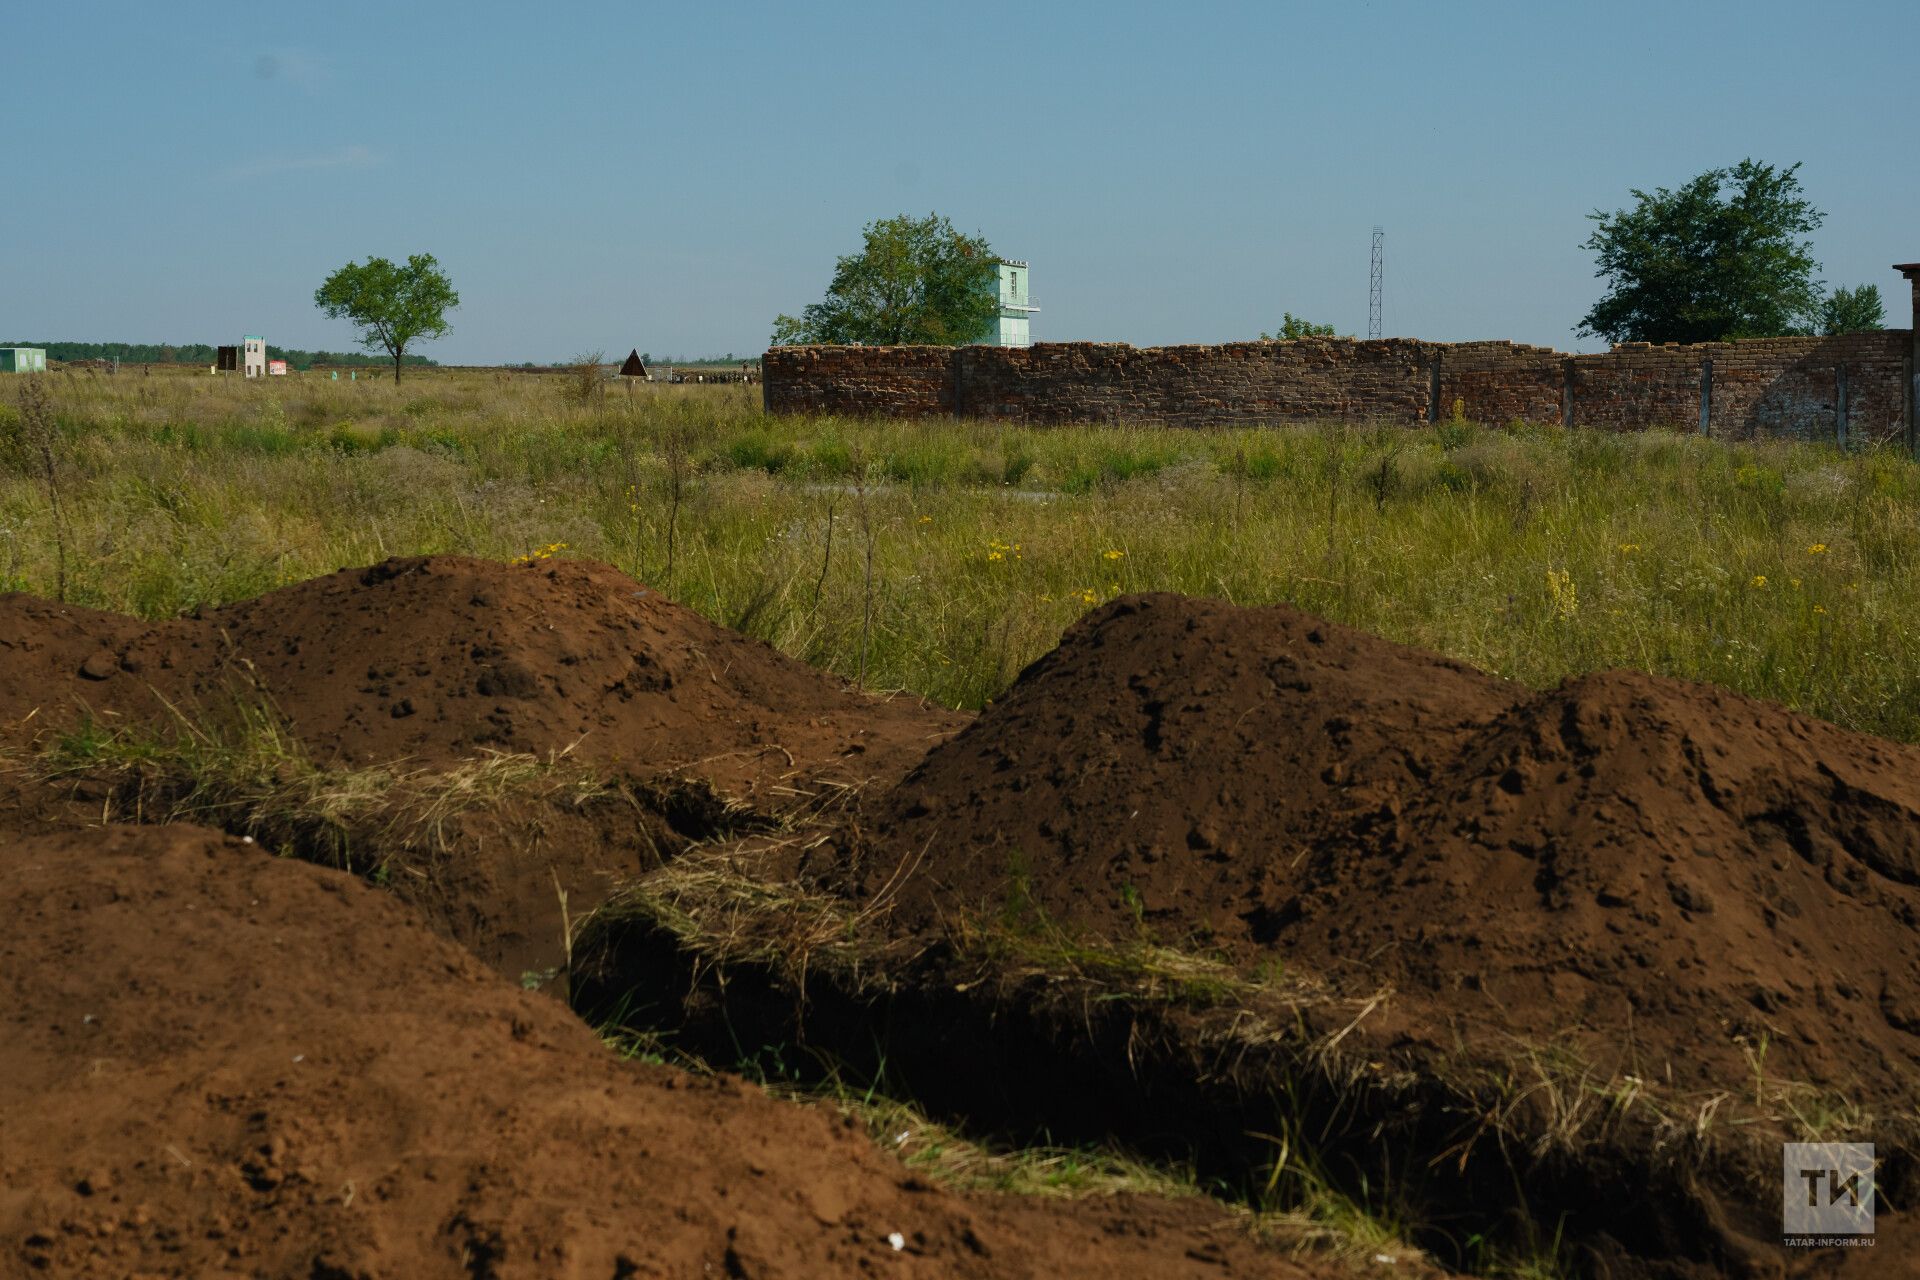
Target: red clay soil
<point>1700,883</point>
<point>218,1064</point>
<point>439,658</point>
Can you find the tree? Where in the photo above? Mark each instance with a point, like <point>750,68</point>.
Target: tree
<point>1701,264</point>
<point>1292,326</point>
<point>1853,311</point>
<point>393,305</point>
<point>916,280</point>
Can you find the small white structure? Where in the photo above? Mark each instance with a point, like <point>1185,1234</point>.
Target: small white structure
<point>1012,324</point>
<point>276,368</point>
<point>253,356</point>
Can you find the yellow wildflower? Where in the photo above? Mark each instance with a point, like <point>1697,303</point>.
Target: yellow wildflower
<point>1819,608</point>
<point>1115,555</point>
<point>1759,581</point>
<point>1817,549</point>
<point>1628,548</point>
<point>1561,592</point>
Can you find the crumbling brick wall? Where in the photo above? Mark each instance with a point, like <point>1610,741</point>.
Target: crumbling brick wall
<point>860,382</point>
<point>1773,387</point>
<point>1307,380</point>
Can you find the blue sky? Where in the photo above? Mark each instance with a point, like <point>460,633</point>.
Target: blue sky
<point>599,176</point>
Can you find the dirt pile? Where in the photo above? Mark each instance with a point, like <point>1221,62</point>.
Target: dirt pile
<point>1172,763</point>
<point>1693,886</point>
<point>400,686</point>
<point>217,1063</point>
<point>438,658</point>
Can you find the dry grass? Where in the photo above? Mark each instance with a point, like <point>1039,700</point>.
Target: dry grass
<point>245,773</point>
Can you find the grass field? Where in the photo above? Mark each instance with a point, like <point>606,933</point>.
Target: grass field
<point>942,557</point>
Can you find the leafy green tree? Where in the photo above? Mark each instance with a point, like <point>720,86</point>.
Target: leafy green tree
<point>1853,311</point>
<point>393,305</point>
<point>916,280</point>
<point>1722,257</point>
<point>1292,326</point>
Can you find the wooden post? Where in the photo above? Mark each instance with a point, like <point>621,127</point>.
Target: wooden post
<point>1706,396</point>
<point>1566,392</point>
<point>1840,405</point>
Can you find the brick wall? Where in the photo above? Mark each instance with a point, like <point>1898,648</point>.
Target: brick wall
<point>862,382</point>
<point>1193,386</point>
<point>1761,388</point>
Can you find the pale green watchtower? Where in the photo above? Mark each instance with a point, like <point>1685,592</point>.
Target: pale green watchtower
<point>1011,326</point>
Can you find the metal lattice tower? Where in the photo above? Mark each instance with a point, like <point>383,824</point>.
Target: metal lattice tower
<point>1373,282</point>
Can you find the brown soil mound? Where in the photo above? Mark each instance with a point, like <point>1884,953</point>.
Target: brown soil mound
<point>218,1064</point>
<point>438,658</point>
<point>1698,887</point>
<point>1171,762</point>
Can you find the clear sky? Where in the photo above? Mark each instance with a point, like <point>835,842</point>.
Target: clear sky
<point>600,176</point>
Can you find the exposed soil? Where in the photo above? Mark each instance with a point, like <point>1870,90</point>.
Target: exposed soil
<point>1676,922</point>
<point>219,1064</point>
<point>491,879</point>
<point>430,663</point>
<point>1662,902</point>
<point>1688,876</point>
<point>435,659</point>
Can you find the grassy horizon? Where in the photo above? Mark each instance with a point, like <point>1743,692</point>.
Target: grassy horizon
<point>1787,571</point>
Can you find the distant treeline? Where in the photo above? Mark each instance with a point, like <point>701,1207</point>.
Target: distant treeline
<point>201,353</point>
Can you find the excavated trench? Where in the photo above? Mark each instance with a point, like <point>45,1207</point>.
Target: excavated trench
<point>1040,1062</point>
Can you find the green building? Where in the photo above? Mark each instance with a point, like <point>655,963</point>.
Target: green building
<point>23,360</point>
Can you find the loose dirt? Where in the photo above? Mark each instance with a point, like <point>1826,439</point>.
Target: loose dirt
<point>436,659</point>
<point>1639,906</point>
<point>214,1063</point>
<point>1672,881</point>
<point>432,664</point>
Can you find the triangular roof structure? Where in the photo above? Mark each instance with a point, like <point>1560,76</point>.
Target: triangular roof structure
<point>634,367</point>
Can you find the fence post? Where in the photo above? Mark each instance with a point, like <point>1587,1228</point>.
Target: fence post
<point>1706,396</point>
<point>1840,404</point>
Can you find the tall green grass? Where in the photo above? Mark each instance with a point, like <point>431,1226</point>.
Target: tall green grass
<point>1786,571</point>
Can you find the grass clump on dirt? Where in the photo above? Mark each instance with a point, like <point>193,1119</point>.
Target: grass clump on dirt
<point>246,773</point>
<point>1786,571</point>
